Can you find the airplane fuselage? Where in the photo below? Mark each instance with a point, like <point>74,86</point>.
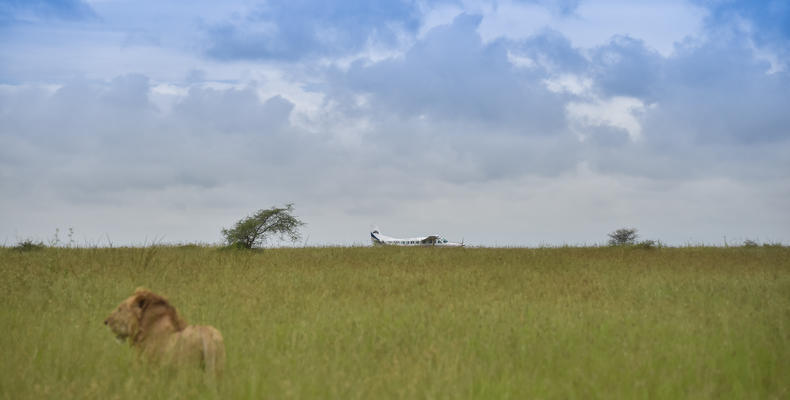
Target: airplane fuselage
<point>433,240</point>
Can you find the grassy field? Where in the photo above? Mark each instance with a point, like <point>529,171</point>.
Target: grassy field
<point>362,323</point>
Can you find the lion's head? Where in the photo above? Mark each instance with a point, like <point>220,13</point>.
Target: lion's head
<point>134,318</point>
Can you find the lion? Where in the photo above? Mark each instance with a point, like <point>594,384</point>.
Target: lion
<point>154,328</point>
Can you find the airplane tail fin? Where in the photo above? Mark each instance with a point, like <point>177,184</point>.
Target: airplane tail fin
<point>374,236</point>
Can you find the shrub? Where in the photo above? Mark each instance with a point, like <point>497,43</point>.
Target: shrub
<point>29,245</point>
<point>648,244</point>
<point>235,246</point>
<point>623,236</point>
<point>750,243</point>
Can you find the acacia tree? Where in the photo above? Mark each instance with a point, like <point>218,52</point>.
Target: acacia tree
<point>252,231</point>
<point>623,236</point>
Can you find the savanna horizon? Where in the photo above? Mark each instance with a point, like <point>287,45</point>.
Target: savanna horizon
<point>362,322</point>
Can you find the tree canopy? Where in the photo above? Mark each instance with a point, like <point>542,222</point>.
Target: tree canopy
<point>254,230</point>
<point>623,236</point>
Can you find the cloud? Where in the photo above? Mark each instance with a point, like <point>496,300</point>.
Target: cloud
<point>455,108</point>
<point>705,110</point>
<point>233,111</point>
<point>451,74</point>
<point>616,112</point>
<point>627,67</point>
<point>551,51</point>
<point>295,30</point>
<point>523,134</point>
<point>108,137</point>
<point>475,110</point>
<point>588,24</point>
<point>721,92</point>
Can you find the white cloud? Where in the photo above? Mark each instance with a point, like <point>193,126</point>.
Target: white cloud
<point>569,83</point>
<point>619,112</point>
<point>520,61</point>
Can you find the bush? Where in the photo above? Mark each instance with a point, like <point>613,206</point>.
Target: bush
<point>648,244</point>
<point>29,245</point>
<point>622,237</point>
<point>750,243</point>
<point>235,246</point>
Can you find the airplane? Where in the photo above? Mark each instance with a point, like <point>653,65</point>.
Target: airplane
<point>434,240</point>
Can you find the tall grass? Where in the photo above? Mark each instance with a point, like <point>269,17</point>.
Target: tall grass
<point>360,323</point>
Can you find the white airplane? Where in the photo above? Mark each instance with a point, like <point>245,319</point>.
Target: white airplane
<point>434,240</point>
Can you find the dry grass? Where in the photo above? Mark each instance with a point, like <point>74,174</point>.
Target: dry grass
<point>410,322</point>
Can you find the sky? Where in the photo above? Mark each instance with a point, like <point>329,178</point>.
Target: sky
<point>500,123</point>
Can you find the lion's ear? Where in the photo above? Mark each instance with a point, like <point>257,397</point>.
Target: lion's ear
<point>141,301</point>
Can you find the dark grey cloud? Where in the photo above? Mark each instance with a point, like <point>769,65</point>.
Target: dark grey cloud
<point>627,67</point>
<point>233,111</point>
<point>459,108</point>
<point>128,92</point>
<point>91,139</point>
<point>451,74</point>
<point>552,52</point>
<point>720,93</point>
<point>713,108</point>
